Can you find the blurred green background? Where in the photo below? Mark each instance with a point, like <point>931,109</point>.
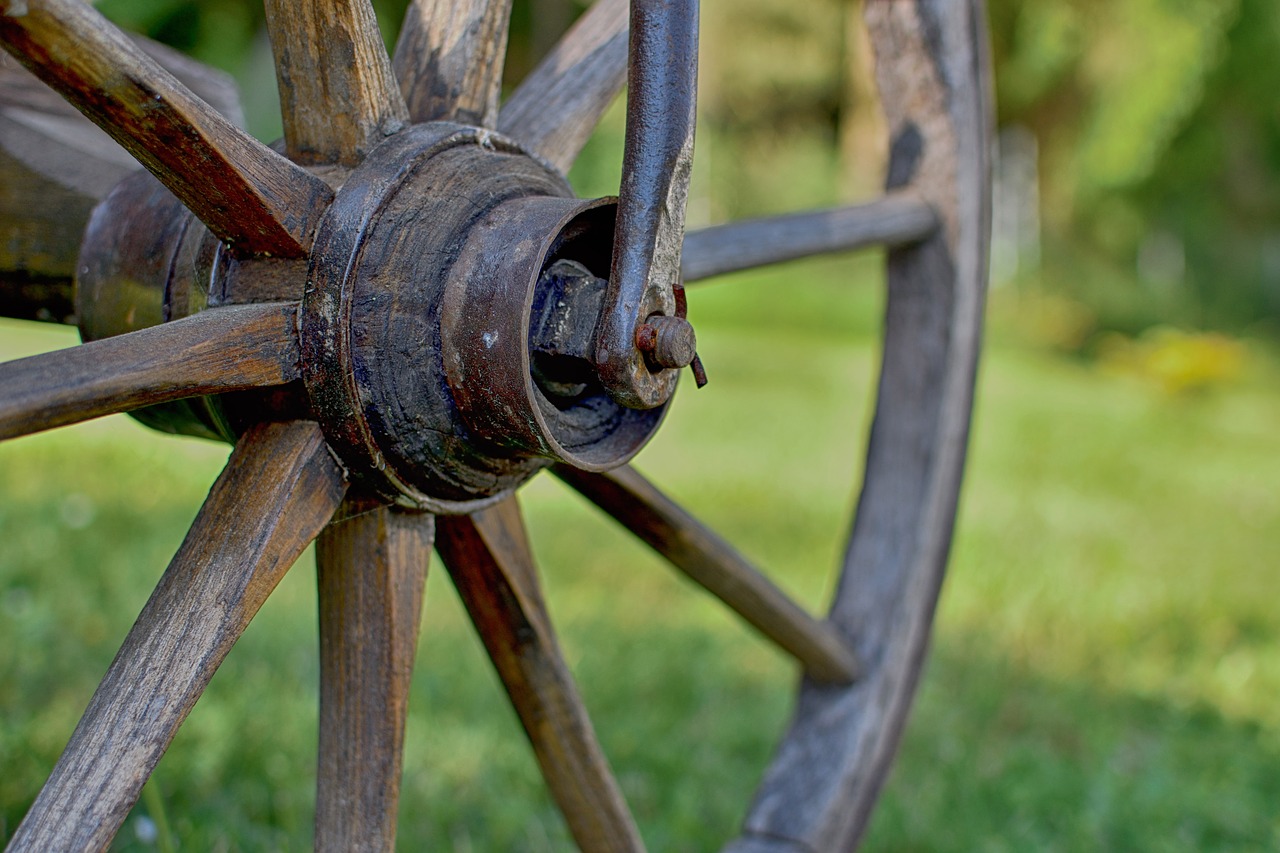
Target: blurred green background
<point>1106,662</point>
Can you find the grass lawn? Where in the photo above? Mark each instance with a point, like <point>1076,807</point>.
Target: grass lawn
<point>1105,668</point>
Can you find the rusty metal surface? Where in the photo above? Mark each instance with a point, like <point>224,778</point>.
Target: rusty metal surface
<point>562,329</point>
<point>417,315</point>
<point>490,343</point>
<point>370,320</point>
<point>668,342</point>
<point>662,92</point>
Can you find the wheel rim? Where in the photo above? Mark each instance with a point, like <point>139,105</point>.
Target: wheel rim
<point>819,792</point>
<point>820,789</point>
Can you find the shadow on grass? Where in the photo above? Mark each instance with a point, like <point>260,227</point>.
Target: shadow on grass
<point>996,757</point>
<point>1000,758</point>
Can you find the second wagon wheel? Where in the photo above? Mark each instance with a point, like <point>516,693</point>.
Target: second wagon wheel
<point>406,315</point>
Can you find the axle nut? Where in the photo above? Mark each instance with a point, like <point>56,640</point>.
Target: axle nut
<point>667,341</point>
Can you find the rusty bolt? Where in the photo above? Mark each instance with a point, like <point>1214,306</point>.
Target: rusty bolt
<point>667,341</point>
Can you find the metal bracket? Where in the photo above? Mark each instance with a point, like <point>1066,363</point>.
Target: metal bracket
<point>661,104</point>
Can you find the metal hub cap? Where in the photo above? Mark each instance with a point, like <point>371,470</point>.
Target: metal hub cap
<point>421,356</point>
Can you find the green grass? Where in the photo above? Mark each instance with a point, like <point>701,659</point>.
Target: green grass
<point>1106,660</point>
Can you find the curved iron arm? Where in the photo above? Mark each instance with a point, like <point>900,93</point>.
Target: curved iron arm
<point>662,83</point>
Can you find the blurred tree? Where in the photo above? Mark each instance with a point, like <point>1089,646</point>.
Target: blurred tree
<point>1160,141</point>
<point>1106,85</point>
<point>1221,193</point>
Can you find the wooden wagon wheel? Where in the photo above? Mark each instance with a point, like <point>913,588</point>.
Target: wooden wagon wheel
<point>407,315</point>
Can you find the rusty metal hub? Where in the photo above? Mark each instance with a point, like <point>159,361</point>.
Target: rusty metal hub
<point>447,322</point>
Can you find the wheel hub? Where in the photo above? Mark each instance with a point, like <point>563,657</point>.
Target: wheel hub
<point>447,311</point>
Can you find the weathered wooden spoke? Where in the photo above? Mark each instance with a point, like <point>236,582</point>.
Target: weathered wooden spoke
<point>246,194</point>
<point>227,349</point>
<point>338,97</point>
<point>893,221</point>
<point>715,565</point>
<point>278,490</point>
<point>554,111</point>
<point>372,564</point>
<point>488,556</point>
<point>449,59</point>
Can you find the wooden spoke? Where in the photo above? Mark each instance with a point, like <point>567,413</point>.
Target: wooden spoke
<point>488,556</point>
<point>372,567</point>
<point>278,490</point>
<point>337,94</point>
<point>892,221</point>
<point>222,349</point>
<point>556,108</point>
<point>449,59</point>
<point>216,88</point>
<point>713,564</point>
<point>249,196</point>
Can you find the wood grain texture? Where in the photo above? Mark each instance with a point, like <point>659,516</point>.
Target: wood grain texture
<point>717,567</point>
<point>557,107</point>
<point>372,565</point>
<point>338,97</point>
<point>249,196</point>
<point>223,349</point>
<point>892,221</point>
<point>55,165</point>
<point>932,66</point>
<point>488,557</point>
<point>449,59</point>
<point>278,490</point>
